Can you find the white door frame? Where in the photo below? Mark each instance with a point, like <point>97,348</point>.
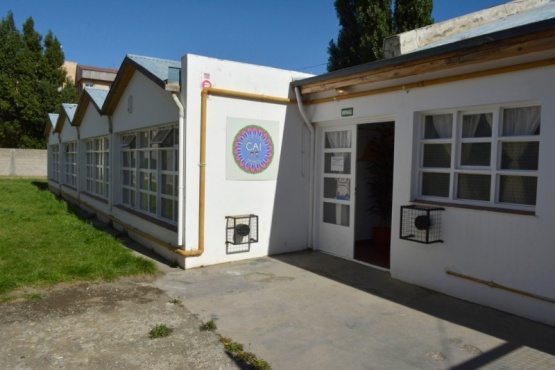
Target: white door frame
<point>335,195</point>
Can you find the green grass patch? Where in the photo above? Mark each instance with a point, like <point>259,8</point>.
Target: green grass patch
<point>43,242</point>
<point>160,331</point>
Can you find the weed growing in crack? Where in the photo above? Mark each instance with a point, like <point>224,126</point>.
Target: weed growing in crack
<point>236,349</point>
<point>208,326</point>
<point>160,331</point>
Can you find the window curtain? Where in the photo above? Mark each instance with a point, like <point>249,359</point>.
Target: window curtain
<point>340,139</point>
<point>521,121</point>
<point>443,125</point>
<point>471,124</point>
<point>518,122</point>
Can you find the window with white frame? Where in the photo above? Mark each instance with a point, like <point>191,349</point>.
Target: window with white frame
<point>150,171</point>
<point>55,152</point>
<point>71,163</point>
<point>483,157</point>
<point>98,166</point>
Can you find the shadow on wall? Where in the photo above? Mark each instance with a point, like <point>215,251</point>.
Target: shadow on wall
<point>289,230</point>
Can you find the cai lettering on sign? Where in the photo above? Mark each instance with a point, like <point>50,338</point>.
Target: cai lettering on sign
<point>253,149</point>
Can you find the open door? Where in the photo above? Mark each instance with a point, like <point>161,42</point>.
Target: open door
<point>374,176</point>
<point>337,190</point>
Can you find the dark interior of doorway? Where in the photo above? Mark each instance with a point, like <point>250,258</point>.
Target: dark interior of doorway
<point>368,247</point>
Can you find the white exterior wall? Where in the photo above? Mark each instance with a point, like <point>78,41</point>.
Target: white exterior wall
<point>52,139</point>
<point>67,135</point>
<point>93,125</point>
<point>282,204</point>
<point>512,250</point>
<point>152,106</point>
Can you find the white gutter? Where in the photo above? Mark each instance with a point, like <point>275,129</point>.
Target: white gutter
<point>180,197</point>
<point>311,167</point>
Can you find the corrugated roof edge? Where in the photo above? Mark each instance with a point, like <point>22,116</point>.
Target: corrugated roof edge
<point>442,49</point>
<point>97,96</point>
<point>156,67</point>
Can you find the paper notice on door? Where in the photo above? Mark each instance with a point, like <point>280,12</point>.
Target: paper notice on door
<point>337,164</point>
<point>343,189</point>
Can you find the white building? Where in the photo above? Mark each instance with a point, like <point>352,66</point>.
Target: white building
<point>210,161</point>
<point>473,117</point>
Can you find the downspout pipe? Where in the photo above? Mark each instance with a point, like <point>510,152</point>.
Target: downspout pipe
<point>180,187</point>
<point>202,181</point>
<point>311,167</point>
<point>202,165</point>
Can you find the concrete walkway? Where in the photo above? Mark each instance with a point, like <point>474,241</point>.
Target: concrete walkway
<point>310,310</point>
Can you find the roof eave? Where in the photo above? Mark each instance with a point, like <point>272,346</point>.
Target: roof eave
<point>331,80</point>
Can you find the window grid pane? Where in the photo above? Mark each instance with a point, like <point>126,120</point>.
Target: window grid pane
<point>520,155</point>
<point>475,154</point>
<point>518,189</point>
<point>159,201</point>
<point>437,156</point>
<point>473,187</point>
<point>436,184</point>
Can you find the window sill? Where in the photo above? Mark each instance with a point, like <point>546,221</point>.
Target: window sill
<point>474,207</point>
<point>156,221</point>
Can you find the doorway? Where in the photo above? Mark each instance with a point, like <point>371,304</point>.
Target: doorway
<point>355,191</point>
<point>374,187</point>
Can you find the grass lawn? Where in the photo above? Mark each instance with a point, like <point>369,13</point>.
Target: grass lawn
<point>42,242</point>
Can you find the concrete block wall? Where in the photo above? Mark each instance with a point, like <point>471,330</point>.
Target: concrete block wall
<point>23,162</point>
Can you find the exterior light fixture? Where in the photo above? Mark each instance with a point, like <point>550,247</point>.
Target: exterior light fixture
<point>341,90</point>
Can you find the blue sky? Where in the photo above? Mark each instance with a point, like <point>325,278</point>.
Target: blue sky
<point>288,34</point>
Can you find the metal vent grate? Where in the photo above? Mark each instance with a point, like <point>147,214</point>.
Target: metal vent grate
<point>421,224</point>
<point>241,231</point>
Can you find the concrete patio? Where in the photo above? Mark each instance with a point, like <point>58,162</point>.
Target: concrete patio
<point>309,310</point>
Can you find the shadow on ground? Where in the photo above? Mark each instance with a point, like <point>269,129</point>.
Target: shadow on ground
<point>516,331</point>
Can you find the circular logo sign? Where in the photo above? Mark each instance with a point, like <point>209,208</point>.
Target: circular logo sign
<point>253,149</point>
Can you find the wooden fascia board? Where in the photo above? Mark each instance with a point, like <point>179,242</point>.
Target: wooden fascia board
<point>81,109</point>
<point>507,48</point>
<point>47,129</point>
<point>118,87</point>
<point>60,123</point>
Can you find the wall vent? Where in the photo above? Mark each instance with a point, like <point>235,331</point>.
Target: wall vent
<point>421,224</point>
<point>240,232</point>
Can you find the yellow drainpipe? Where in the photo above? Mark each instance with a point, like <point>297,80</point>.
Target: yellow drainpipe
<point>493,284</point>
<point>202,166</point>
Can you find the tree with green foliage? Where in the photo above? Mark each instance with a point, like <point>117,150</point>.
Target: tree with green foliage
<point>366,23</point>
<point>33,83</point>
<point>411,14</point>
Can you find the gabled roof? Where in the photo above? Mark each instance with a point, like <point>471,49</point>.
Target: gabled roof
<point>164,73</point>
<point>51,124</point>
<point>527,40</point>
<point>68,111</point>
<point>90,94</point>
